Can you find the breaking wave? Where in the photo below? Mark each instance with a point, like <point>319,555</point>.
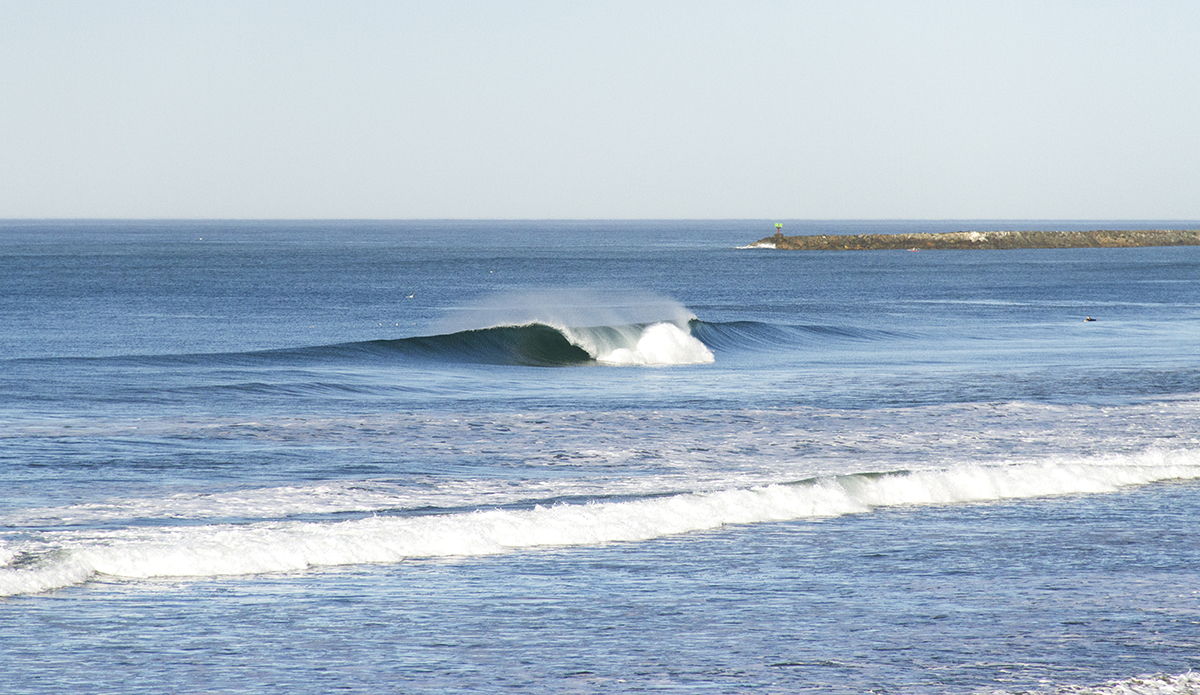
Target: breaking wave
<point>601,327</point>
<point>1156,684</point>
<point>541,345</point>
<point>383,533</point>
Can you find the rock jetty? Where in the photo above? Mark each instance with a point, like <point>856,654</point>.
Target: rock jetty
<point>1101,238</point>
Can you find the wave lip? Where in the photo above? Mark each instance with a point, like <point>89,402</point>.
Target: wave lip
<point>64,558</point>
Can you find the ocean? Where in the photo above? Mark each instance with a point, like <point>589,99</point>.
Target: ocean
<point>577,457</point>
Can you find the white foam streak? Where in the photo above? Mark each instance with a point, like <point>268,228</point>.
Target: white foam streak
<point>70,557</point>
<point>6,555</point>
<point>1158,684</point>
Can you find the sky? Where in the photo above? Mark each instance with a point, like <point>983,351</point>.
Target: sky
<point>257,109</point>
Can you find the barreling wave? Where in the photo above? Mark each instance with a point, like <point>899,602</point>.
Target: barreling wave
<point>57,559</point>
<point>544,345</point>
<point>567,327</point>
<point>541,345</point>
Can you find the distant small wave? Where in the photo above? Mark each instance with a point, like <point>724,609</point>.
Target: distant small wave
<point>735,336</point>
<point>63,558</point>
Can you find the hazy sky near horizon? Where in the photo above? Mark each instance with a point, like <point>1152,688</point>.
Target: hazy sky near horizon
<point>809,110</point>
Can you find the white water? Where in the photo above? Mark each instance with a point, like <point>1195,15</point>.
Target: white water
<point>1158,684</point>
<point>657,344</point>
<point>63,558</point>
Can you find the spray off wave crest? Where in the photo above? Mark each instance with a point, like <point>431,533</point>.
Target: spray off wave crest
<point>53,560</point>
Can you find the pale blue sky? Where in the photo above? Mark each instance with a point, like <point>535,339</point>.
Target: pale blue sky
<point>919,109</point>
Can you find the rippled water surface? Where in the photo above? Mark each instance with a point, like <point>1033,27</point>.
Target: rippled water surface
<point>593,457</point>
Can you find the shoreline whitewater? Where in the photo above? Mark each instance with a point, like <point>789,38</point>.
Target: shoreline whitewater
<point>999,240</point>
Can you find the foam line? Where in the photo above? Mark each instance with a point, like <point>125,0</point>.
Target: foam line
<point>1157,684</point>
<point>71,557</point>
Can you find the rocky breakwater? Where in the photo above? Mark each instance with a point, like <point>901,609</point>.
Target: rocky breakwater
<point>1103,238</point>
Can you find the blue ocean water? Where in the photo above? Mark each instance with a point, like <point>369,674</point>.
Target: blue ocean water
<point>593,457</point>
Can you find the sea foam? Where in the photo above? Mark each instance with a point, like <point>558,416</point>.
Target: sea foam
<point>69,557</point>
<point>1157,684</point>
<point>656,344</point>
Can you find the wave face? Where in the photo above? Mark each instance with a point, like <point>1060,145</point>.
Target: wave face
<point>402,526</point>
<point>535,345</point>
